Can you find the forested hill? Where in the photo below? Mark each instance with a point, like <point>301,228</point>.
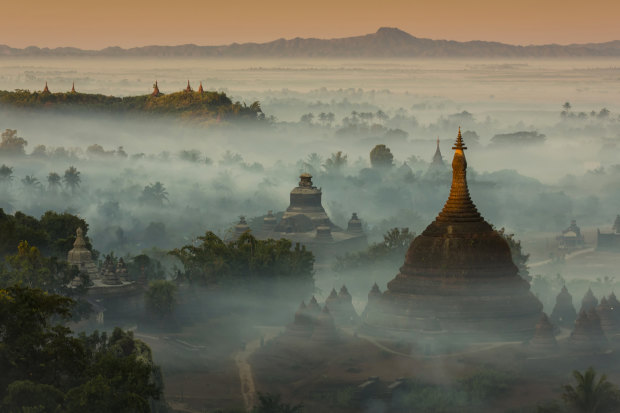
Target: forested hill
<point>201,106</point>
<point>386,42</point>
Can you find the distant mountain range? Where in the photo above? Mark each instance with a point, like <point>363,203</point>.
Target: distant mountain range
<point>387,42</point>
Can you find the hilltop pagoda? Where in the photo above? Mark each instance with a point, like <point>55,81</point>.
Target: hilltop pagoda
<point>155,90</point>
<point>460,271</point>
<point>200,89</point>
<point>188,89</point>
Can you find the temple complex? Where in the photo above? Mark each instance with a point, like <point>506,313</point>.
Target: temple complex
<point>564,314</point>
<point>571,237</point>
<point>609,241</point>
<point>589,301</point>
<point>306,222</point>
<point>543,339</point>
<point>459,271</point>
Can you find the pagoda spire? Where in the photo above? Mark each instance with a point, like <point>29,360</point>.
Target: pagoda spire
<point>73,87</point>
<point>155,90</point>
<point>200,90</point>
<point>46,90</point>
<point>188,88</point>
<point>459,207</point>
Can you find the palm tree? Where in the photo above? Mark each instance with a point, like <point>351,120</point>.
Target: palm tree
<point>53,181</point>
<point>590,395</point>
<point>31,183</point>
<point>72,178</point>
<point>6,174</point>
<point>154,194</point>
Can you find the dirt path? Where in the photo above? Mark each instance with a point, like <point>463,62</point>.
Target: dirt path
<point>566,257</point>
<point>248,388</point>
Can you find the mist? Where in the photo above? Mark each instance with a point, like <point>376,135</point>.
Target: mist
<point>542,137</point>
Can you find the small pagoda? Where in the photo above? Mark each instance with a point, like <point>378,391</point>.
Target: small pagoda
<point>200,89</point>
<point>589,301</point>
<point>188,89</point>
<point>155,90</point>
<point>46,91</point>
<point>73,88</point>
<point>241,228</point>
<point>564,314</point>
<point>81,257</point>
<point>459,270</point>
<point>588,334</point>
<point>303,323</point>
<point>325,331</point>
<point>544,339</point>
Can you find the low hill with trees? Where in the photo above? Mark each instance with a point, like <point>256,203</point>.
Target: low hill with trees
<point>200,106</point>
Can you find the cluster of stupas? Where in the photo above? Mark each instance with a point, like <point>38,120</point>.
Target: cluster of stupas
<point>188,89</point>
<point>306,222</point>
<point>321,323</point>
<point>592,329</point>
<point>459,274</point>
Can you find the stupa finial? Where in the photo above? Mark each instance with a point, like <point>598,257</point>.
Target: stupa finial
<point>459,144</point>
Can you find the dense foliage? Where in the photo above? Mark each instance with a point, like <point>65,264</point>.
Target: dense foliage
<point>194,105</point>
<point>53,234</point>
<point>246,259</point>
<point>394,246</point>
<point>160,298</point>
<point>47,369</point>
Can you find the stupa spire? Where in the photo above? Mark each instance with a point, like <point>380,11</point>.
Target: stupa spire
<point>188,88</point>
<point>79,239</point>
<point>200,89</point>
<point>155,89</point>
<point>73,87</point>
<point>459,207</point>
<point>46,90</point>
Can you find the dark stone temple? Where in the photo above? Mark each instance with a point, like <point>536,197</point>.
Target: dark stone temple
<point>609,241</point>
<point>306,222</point>
<point>460,272</point>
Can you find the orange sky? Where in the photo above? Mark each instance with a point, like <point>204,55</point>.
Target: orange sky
<point>99,23</point>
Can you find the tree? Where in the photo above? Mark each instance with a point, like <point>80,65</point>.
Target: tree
<point>6,174</point>
<point>72,178</point>
<point>154,194</point>
<point>160,298</point>
<point>566,106</point>
<point>336,162</point>
<point>53,181</point>
<point>381,157</point>
<point>46,368</point>
<point>31,183</point>
<point>307,118</point>
<point>590,395</point>
<point>11,144</point>
<point>272,403</point>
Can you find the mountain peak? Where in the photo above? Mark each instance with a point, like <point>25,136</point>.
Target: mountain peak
<point>392,32</point>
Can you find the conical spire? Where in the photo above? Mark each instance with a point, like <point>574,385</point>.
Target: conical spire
<point>46,90</point>
<point>188,88</point>
<point>200,90</point>
<point>155,89</point>
<point>459,207</point>
<point>437,158</point>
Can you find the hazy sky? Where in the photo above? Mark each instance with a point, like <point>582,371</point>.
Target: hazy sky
<point>127,23</point>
